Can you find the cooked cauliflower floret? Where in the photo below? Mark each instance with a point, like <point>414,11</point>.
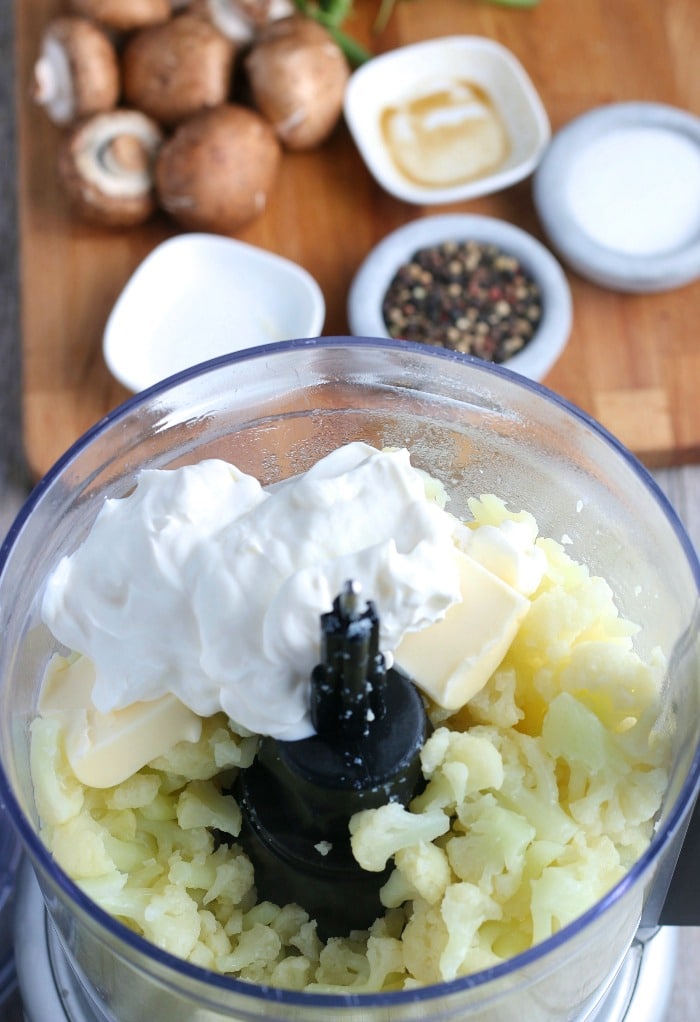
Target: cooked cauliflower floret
<point>377,834</point>
<point>201,804</point>
<point>219,748</point>
<point>135,793</point>
<point>57,792</point>
<point>540,793</point>
<point>171,921</point>
<point>80,845</point>
<point>426,868</point>
<point>465,908</point>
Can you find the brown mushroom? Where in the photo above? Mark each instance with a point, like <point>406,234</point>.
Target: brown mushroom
<point>297,74</point>
<point>106,166</point>
<point>239,20</point>
<point>77,70</point>
<point>216,171</point>
<point>173,70</point>
<point>124,15</point>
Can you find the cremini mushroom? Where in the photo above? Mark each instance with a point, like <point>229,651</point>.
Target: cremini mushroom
<point>106,166</point>
<point>124,15</point>
<point>173,70</point>
<point>216,171</point>
<point>77,70</point>
<point>240,20</point>
<point>297,75</point>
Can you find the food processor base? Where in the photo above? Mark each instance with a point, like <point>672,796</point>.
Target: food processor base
<point>51,989</point>
<point>642,988</point>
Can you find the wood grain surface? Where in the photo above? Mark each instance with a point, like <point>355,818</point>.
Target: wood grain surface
<point>633,361</point>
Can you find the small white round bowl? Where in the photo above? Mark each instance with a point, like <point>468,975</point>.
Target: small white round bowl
<point>618,195</point>
<point>198,296</point>
<point>409,72</point>
<point>377,271</point>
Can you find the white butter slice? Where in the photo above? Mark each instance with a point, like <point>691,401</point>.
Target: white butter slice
<point>104,749</point>
<point>452,659</point>
<point>508,550</point>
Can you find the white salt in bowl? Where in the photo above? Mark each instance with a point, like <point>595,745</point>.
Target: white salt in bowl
<point>412,72</point>
<point>618,194</point>
<point>200,296</point>
<point>374,276</point>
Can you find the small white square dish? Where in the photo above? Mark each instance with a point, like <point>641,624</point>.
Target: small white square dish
<point>198,296</point>
<point>519,263</point>
<point>446,120</point>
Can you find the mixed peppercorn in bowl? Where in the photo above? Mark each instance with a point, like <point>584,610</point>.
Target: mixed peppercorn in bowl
<point>466,283</point>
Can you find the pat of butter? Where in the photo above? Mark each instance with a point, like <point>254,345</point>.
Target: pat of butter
<point>105,749</point>
<point>452,659</point>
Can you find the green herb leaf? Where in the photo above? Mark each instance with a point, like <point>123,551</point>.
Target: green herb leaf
<point>386,9</point>
<point>331,14</point>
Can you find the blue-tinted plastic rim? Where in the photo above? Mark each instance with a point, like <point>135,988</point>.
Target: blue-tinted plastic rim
<point>194,973</point>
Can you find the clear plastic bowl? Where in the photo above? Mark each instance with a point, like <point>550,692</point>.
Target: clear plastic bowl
<point>274,411</point>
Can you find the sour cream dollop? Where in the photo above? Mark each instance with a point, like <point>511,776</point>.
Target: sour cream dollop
<point>202,584</point>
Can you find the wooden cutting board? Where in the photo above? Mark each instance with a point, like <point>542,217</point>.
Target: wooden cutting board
<point>633,361</point>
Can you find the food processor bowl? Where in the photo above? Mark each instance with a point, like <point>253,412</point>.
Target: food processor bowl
<point>274,412</point>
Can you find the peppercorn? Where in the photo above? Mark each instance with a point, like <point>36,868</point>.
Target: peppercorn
<point>467,296</point>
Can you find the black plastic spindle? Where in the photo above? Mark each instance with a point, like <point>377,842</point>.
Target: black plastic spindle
<point>297,798</point>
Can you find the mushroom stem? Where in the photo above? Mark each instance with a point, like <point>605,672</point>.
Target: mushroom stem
<point>106,165</point>
<point>125,156</point>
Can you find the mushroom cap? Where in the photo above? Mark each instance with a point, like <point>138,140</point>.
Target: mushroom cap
<point>105,163</point>
<point>216,171</point>
<point>174,70</point>
<point>124,15</point>
<point>297,75</point>
<point>77,71</point>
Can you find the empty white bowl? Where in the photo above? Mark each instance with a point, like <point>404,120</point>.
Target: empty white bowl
<point>414,72</point>
<point>198,296</point>
<point>379,268</point>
